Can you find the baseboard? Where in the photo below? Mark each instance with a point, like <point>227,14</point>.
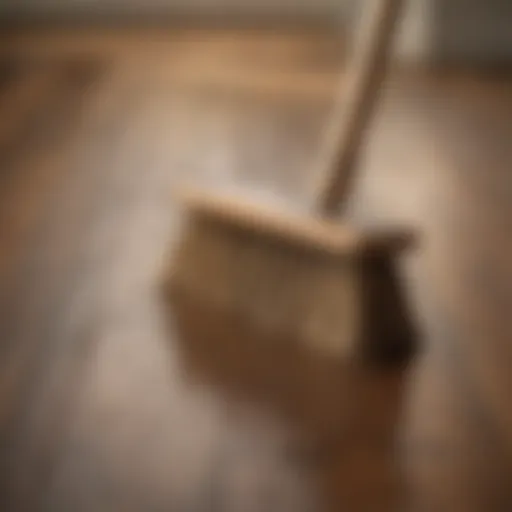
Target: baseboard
<point>289,19</point>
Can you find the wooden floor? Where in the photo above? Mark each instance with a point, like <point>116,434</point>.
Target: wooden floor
<point>112,399</point>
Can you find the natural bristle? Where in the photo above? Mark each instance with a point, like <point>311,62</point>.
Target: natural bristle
<point>286,291</point>
<point>273,273</point>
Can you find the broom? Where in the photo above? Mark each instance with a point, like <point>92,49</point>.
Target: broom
<point>304,275</point>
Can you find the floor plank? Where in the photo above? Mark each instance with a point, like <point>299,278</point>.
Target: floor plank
<point>113,399</point>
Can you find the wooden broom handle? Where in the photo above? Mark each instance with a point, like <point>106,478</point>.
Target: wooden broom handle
<point>357,101</point>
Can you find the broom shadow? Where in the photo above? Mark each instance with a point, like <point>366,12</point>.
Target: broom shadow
<point>348,413</point>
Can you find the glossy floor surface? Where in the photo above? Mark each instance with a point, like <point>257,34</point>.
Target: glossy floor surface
<point>113,399</point>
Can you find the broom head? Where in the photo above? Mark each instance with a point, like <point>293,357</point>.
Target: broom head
<point>288,274</point>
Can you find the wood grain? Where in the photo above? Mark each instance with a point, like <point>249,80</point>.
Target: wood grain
<point>111,400</point>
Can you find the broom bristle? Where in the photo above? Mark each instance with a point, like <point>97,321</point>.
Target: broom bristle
<point>294,286</point>
<point>278,289</point>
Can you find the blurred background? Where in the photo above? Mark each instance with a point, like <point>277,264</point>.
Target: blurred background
<point>432,29</point>
<point>114,397</point>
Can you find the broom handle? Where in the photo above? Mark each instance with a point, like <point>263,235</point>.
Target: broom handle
<point>357,101</point>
